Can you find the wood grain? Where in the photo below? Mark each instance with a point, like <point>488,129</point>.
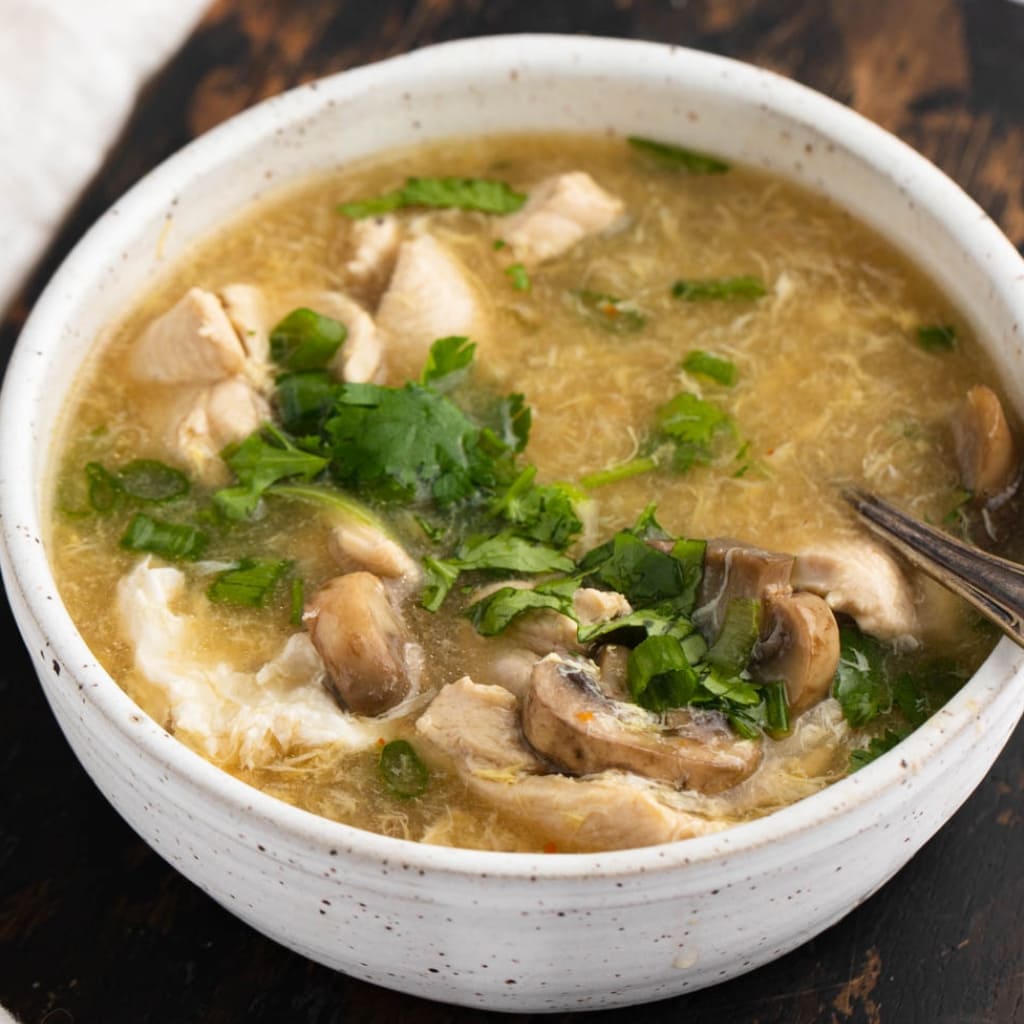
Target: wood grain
<point>94,927</point>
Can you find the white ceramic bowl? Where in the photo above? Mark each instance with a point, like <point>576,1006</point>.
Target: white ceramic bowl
<point>508,931</point>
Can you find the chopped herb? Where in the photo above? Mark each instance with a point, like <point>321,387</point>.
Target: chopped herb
<point>103,487</point>
<point>151,481</point>
<point>629,565</point>
<point>729,289</point>
<point>693,425</point>
<point>174,541</point>
<point>545,513</point>
<point>937,337</point>
<point>499,244</point>
<point>512,419</point>
<point>610,312</point>
<point>735,641</point>
<point>623,471</point>
<point>433,533</point>
<point>493,614</point>
<point>660,675</point>
<point>861,684</point>
<point>400,769</point>
<point>249,583</point>
<point>441,575</point>
<point>447,362</point>
<point>298,601</point>
<point>705,364</point>
<point>306,340</point>
<point>304,400</point>
<point>670,155</point>
<point>441,193</point>
<point>259,463</point>
<point>776,709</point>
<point>659,620</point>
<point>876,748</point>
<point>519,277</point>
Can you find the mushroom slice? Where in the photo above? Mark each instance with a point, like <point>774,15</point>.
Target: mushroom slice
<point>800,646</point>
<point>734,570</point>
<point>985,450</point>
<point>567,718</point>
<point>362,641</point>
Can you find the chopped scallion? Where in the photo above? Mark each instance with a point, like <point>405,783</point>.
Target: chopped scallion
<point>729,289</point>
<point>400,769</point>
<point>306,340</point>
<point>250,583</point>
<point>173,541</point>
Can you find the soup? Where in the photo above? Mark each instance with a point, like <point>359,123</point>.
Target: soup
<point>403,484</point>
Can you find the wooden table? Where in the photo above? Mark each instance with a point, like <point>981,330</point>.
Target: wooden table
<point>94,927</point>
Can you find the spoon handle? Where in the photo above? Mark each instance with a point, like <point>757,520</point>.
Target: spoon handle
<point>993,585</point>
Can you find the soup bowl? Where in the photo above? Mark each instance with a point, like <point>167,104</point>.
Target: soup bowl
<point>506,931</point>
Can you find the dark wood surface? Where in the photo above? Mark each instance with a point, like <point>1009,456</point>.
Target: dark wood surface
<point>94,927</point>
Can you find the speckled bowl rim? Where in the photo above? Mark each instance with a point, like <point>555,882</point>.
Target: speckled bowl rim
<point>34,582</point>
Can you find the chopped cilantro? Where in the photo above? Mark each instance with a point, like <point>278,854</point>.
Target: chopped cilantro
<point>693,425</point>
<point>249,583</point>
<point>621,316</point>
<point>704,364</point>
<point>493,614</point>
<point>519,277</point>
<point>304,399</point>
<point>878,746</point>
<point>937,337</point>
<point>729,289</point>
<point>660,675</point>
<point>258,463</point>
<point>861,684</point>
<point>669,155</point>
<point>447,362</point>
<point>174,541</point>
<point>401,771</point>
<point>440,193</point>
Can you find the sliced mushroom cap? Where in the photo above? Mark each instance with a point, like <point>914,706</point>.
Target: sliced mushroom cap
<point>734,570</point>
<point>800,646</point>
<point>568,719</point>
<point>985,449</point>
<point>362,640</point>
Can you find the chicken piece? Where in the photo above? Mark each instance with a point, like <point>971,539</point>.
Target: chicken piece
<point>799,645</point>
<point>360,544</point>
<point>359,358</point>
<point>375,242</point>
<point>430,296</point>
<point>859,578</point>
<point>362,641</point>
<point>544,631</point>
<point>734,570</point>
<point>247,311</point>
<point>561,211</point>
<point>511,666</point>
<point>985,449</point>
<point>477,728</point>
<point>567,718</point>
<point>593,606</point>
<point>192,343</point>
<point>220,415</point>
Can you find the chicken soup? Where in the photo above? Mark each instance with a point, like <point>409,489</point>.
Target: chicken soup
<point>488,494</point>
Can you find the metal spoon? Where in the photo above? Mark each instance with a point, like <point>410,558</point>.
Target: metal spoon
<point>994,586</point>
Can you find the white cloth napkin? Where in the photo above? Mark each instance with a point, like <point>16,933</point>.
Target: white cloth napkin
<point>69,74</point>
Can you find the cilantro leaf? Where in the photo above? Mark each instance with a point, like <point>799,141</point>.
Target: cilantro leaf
<point>704,364</point>
<point>259,463</point>
<point>878,746</point>
<point>440,193</point>
<point>546,513</point>
<point>729,289</point>
<point>677,157</point>
<point>405,444</point>
<point>447,361</point>
<point>249,583</point>
<point>174,541</point>
<point>304,399</point>
<point>644,574</point>
<point>493,614</point>
<point>620,316</point>
<point>937,337</point>
<point>519,277</point>
<point>861,684</point>
<point>306,340</point>
<point>693,425</point>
